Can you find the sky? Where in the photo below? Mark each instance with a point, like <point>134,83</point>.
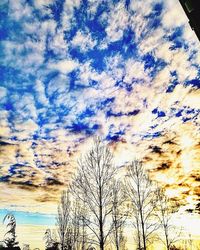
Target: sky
<point>71,70</point>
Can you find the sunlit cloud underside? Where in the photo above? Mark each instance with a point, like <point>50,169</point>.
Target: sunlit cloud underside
<point>72,70</point>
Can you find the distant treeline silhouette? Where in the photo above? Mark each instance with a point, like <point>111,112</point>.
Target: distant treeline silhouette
<point>100,202</point>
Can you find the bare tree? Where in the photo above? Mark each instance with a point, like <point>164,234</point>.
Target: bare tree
<point>141,193</point>
<point>165,211</point>
<point>119,215</point>
<point>77,214</point>
<point>63,221</point>
<point>81,221</point>
<point>76,224</point>
<point>71,222</point>
<point>50,242</point>
<point>92,185</point>
<point>26,247</point>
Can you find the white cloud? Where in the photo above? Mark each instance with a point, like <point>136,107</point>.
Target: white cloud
<point>135,70</point>
<point>26,129</point>
<point>164,51</point>
<point>67,15</point>
<point>180,62</point>
<point>83,41</point>
<point>59,85</point>
<point>3,93</point>
<point>115,66</point>
<point>138,7</point>
<point>174,15</point>
<point>40,4</point>
<point>28,125</point>
<point>17,56</point>
<point>41,95</point>
<point>19,9</point>
<point>24,106</point>
<point>93,5</point>
<point>152,41</point>
<point>58,44</point>
<point>118,21</point>
<point>47,27</point>
<point>64,66</point>
<point>137,21</point>
<point>4,124</point>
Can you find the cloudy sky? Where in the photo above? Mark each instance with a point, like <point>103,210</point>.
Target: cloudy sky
<point>71,70</point>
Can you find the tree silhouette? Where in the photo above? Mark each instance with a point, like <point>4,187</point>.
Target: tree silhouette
<point>26,247</point>
<point>64,221</point>
<point>50,244</point>
<point>165,211</point>
<point>93,185</point>
<point>78,215</point>
<point>141,193</point>
<point>119,215</point>
<point>10,235</point>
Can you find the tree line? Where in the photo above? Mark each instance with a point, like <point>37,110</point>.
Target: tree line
<point>100,204</point>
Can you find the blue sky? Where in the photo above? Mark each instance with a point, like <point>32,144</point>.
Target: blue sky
<point>51,57</point>
<point>26,218</point>
<point>71,70</point>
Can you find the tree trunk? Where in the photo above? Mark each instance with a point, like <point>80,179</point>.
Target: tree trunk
<point>142,222</point>
<point>143,234</point>
<point>83,239</point>
<point>138,231</point>
<point>167,241</point>
<point>101,222</point>
<point>101,232</point>
<point>117,238</point>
